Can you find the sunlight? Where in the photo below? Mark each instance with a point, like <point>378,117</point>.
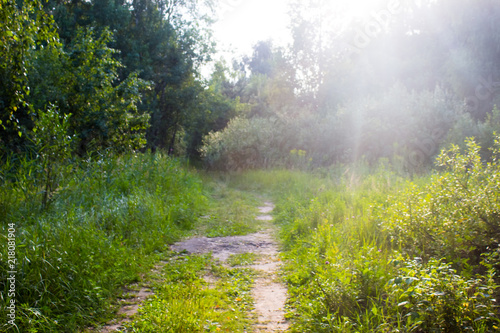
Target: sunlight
<point>363,8</point>
<point>365,11</point>
<point>242,23</point>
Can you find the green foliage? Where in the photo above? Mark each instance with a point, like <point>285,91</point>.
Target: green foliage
<point>53,147</point>
<point>433,297</point>
<point>103,79</point>
<point>211,111</point>
<point>103,229</point>
<point>105,113</point>
<point>340,95</point>
<point>244,143</point>
<point>351,239</point>
<point>482,131</point>
<point>25,27</point>
<point>456,215</point>
<point>406,128</point>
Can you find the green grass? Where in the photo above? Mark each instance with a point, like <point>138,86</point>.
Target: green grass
<point>107,223</point>
<point>110,219</point>
<point>185,302</point>
<point>368,251</point>
<point>242,259</point>
<point>231,210</point>
<point>365,250</point>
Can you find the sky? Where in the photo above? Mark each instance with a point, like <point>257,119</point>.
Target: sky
<point>242,23</point>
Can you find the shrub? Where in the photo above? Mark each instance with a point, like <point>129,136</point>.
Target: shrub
<point>245,143</point>
<point>456,216</point>
<point>433,297</point>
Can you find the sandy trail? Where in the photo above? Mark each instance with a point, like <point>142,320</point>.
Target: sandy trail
<point>269,293</point>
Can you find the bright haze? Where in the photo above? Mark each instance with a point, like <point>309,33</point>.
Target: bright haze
<point>242,23</point>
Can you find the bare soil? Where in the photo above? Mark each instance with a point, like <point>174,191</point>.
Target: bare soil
<point>269,293</point>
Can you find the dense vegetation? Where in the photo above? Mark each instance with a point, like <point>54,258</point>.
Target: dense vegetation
<point>401,84</point>
<point>102,105</point>
<point>371,252</point>
<point>106,225</point>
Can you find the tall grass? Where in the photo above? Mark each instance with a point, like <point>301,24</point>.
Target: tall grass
<point>368,251</point>
<point>108,220</point>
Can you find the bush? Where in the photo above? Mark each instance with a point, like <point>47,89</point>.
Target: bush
<point>433,297</point>
<point>456,216</point>
<point>245,143</point>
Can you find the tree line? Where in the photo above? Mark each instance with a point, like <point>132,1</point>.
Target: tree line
<point>400,83</point>
<point>125,73</point>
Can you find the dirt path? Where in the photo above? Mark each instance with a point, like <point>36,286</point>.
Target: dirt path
<point>268,293</point>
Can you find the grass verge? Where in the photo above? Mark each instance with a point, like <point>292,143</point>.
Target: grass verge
<point>108,221</point>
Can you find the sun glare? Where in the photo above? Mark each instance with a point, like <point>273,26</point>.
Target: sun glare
<point>364,10</point>
<point>242,23</point>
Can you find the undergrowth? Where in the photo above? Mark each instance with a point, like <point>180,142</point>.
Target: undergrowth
<point>369,251</point>
<point>103,226</point>
<point>365,250</point>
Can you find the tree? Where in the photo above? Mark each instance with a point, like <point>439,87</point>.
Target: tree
<point>163,42</point>
<point>83,81</point>
<point>25,29</point>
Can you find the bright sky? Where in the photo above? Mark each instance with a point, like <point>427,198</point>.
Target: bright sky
<point>242,23</point>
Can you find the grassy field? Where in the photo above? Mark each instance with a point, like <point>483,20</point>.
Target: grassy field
<point>108,221</point>
<point>365,249</point>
